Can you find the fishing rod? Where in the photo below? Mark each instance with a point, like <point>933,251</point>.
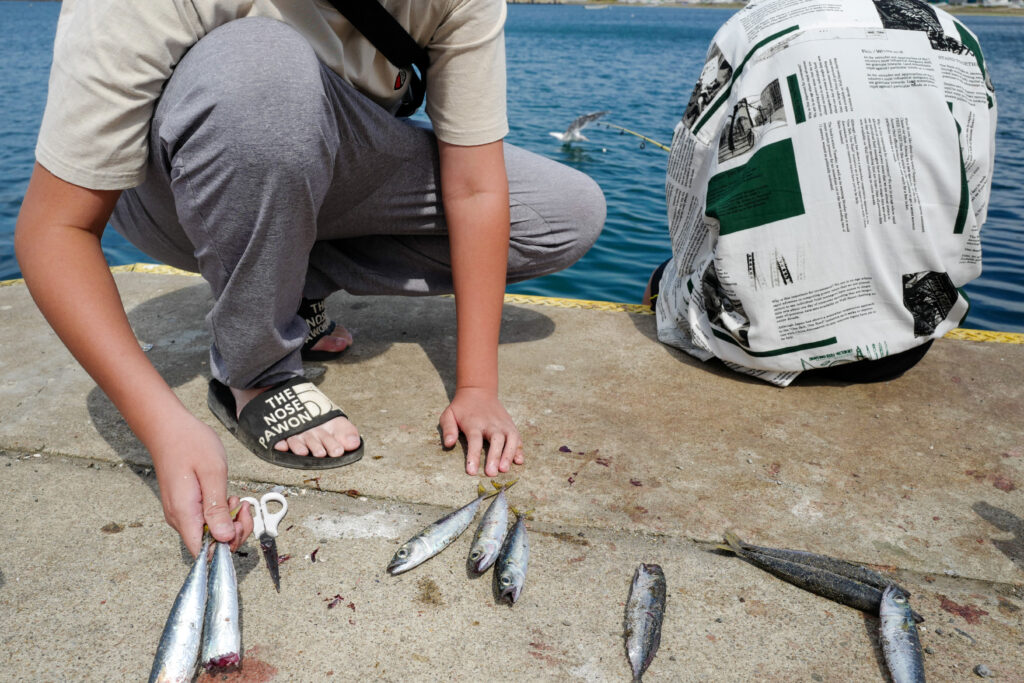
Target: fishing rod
<point>633,132</point>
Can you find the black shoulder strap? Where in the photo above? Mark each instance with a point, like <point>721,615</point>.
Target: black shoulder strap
<point>393,41</point>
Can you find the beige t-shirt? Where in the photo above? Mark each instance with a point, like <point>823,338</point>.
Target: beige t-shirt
<point>112,58</point>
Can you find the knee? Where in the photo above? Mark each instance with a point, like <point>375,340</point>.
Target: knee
<point>240,88</point>
<point>589,211</point>
<point>555,222</point>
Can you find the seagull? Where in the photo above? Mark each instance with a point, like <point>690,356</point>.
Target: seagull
<point>572,133</point>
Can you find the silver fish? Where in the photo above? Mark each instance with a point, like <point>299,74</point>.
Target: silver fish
<point>222,638</point>
<point>832,564</point>
<point>176,655</point>
<point>644,612</point>
<point>828,584</point>
<point>436,537</point>
<point>510,567</point>
<point>900,644</point>
<point>491,532</point>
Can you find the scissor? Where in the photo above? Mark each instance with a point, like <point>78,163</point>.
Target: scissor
<point>264,527</point>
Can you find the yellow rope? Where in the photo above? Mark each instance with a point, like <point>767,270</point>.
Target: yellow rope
<point>558,302</point>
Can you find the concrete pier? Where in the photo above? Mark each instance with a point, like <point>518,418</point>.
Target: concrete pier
<point>635,453</point>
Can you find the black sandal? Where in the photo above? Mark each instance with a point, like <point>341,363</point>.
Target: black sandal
<point>286,409</point>
<point>314,312</point>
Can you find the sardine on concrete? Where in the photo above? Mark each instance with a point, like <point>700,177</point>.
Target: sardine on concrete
<point>437,536</point>
<point>513,559</point>
<point>900,644</point>
<point>645,610</point>
<point>178,651</point>
<point>222,638</point>
<point>491,532</point>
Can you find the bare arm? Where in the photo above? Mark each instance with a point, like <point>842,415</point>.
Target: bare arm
<point>475,195</point>
<point>60,224</point>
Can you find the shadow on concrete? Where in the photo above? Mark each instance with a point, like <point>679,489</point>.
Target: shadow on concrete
<point>174,324</point>
<point>1008,522</point>
<point>872,627</point>
<point>647,325</point>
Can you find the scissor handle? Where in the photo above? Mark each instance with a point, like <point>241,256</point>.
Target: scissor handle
<point>257,514</point>
<point>271,520</point>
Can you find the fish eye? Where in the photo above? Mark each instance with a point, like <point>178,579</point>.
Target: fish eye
<point>402,553</point>
<point>899,599</point>
<point>475,555</point>
<point>505,581</point>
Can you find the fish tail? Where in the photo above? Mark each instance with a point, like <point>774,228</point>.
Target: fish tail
<point>735,544</point>
<point>508,485</point>
<point>525,513</point>
<point>481,490</point>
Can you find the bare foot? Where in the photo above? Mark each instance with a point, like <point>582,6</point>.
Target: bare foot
<point>330,439</point>
<point>338,340</point>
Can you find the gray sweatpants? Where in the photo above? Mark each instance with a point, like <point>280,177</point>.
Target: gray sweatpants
<point>277,180</point>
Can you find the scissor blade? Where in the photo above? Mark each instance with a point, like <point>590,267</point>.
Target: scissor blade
<point>269,547</point>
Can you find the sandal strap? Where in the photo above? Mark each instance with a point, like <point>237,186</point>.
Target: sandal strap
<point>289,408</point>
<point>314,312</point>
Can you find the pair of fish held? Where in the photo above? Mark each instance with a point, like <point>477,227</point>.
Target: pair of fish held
<point>203,621</point>
<point>852,585</point>
<point>493,543</point>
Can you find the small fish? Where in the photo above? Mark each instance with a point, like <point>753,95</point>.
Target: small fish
<point>222,638</point>
<point>823,582</point>
<point>176,655</point>
<point>900,644</point>
<point>513,558</point>
<point>644,612</point>
<point>491,532</point>
<point>832,564</point>
<point>436,537</point>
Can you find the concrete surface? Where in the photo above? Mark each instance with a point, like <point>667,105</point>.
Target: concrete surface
<point>635,453</point>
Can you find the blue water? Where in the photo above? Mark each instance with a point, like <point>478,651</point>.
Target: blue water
<point>563,61</point>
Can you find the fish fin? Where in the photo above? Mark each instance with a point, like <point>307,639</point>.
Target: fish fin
<point>727,548</point>
<point>735,544</point>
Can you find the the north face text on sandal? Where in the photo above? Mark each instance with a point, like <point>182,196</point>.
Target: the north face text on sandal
<point>291,408</point>
<point>316,319</point>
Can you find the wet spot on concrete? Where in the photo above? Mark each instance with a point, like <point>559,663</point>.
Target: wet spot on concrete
<point>970,613</point>
<point>112,528</point>
<point>564,537</point>
<point>430,593</point>
<point>1007,608</point>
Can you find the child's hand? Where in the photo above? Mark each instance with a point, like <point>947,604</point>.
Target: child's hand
<point>193,475</point>
<point>479,415</point>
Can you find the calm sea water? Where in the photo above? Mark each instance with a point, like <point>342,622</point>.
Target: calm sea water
<point>563,61</point>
